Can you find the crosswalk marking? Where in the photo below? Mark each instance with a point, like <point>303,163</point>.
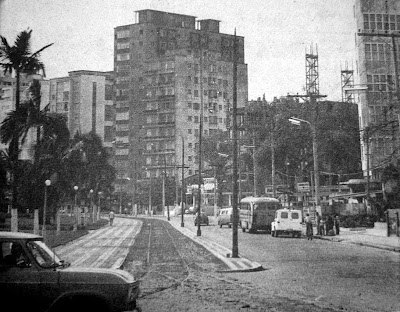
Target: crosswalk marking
<point>104,247</point>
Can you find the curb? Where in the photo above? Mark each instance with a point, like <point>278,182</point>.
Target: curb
<point>388,248</point>
<point>236,265</point>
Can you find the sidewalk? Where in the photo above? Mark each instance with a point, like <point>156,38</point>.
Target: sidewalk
<point>370,237</point>
<point>240,264</point>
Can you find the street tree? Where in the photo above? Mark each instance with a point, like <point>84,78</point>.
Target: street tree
<point>19,59</point>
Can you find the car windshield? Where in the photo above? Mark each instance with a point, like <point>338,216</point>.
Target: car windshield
<point>43,255</point>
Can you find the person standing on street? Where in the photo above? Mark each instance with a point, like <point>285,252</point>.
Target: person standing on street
<point>337,224</point>
<point>309,227</point>
<point>111,216</point>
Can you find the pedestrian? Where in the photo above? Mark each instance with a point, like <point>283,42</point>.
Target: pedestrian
<point>322,227</point>
<point>329,226</point>
<point>309,228</point>
<point>318,222</point>
<point>111,216</point>
<point>337,224</point>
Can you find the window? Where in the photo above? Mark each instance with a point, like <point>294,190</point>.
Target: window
<point>189,118</point>
<point>123,34</point>
<point>196,93</point>
<point>189,131</point>
<point>123,57</point>
<point>196,106</point>
<point>196,119</point>
<point>122,45</point>
<point>295,215</point>
<point>189,104</point>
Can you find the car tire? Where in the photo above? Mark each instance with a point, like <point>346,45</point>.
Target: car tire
<point>230,225</point>
<point>276,233</point>
<point>243,230</point>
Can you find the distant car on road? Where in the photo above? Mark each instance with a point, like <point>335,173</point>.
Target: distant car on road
<point>287,221</point>
<point>225,217</point>
<point>34,278</point>
<point>202,219</point>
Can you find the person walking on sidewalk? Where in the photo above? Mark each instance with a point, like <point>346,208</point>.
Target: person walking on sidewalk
<point>337,224</point>
<point>111,216</point>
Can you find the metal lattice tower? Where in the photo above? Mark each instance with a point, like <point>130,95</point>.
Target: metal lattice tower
<point>347,81</point>
<point>312,75</point>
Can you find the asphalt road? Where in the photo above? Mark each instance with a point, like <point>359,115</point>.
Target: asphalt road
<point>177,274</point>
<point>330,274</point>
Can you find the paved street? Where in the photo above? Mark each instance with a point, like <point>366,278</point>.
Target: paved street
<point>182,272</point>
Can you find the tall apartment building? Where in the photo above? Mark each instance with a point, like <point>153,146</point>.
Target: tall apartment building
<point>168,67</point>
<point>378,43</point>
<point>85,98</point>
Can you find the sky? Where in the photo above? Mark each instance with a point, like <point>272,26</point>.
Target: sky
<point>277,35</point>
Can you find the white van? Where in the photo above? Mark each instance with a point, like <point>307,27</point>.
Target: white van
<point>225,217</point>
<point>287,221</point>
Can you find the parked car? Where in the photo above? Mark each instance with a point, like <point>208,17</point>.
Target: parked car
<point>202,219</point>
<point>225,217</point>
<point>34,278</point>
<point>287,221</point>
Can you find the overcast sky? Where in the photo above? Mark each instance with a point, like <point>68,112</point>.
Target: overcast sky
<point>277,35</point>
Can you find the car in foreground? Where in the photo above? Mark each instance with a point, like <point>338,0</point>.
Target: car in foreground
<point>34,278</point>
<point>202,220</point>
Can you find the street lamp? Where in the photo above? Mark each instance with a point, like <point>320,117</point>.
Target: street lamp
<point>297,121</point>
<point>98,209</point>
<point>76,208</point>
<point>91,204</point>
<point>47,184</point>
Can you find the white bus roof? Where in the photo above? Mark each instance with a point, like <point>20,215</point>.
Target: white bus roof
<point>252,199</point>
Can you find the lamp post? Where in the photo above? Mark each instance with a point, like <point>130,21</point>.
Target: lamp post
<point>150,190</point>
<point>297,122</point>
<point>76,207</point>
<point>91,204</point>
<point>47,184</point>
<point>98,209</point>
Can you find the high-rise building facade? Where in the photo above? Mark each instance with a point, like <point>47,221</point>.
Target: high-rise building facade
<point>85,98</point>
<point>168,67</point>
<point>378,43</point>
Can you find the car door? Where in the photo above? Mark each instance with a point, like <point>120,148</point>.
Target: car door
<point>19,283</point>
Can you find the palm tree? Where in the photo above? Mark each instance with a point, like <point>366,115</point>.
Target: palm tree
<point>19,59</point>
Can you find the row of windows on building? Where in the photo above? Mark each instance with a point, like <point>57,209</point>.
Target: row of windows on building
<point>211,119</point>
<point>211,107</point>
<point>379,52</point>
<point>380,22</point>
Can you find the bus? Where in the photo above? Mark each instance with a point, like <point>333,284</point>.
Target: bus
<point>257,213</point>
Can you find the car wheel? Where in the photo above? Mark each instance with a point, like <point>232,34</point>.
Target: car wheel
<point>230,225</point>
<point>276,233</point>
<point>273,233</point>
<point>243,230</point>
<point>293,235</point>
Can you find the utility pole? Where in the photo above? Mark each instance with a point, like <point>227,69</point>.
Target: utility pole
<point>312,94</point>
<point>183,180</point>
<point>200,138</point>
<point>235,245</point>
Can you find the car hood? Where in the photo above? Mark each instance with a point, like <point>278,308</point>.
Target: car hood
<point>96,275</point>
